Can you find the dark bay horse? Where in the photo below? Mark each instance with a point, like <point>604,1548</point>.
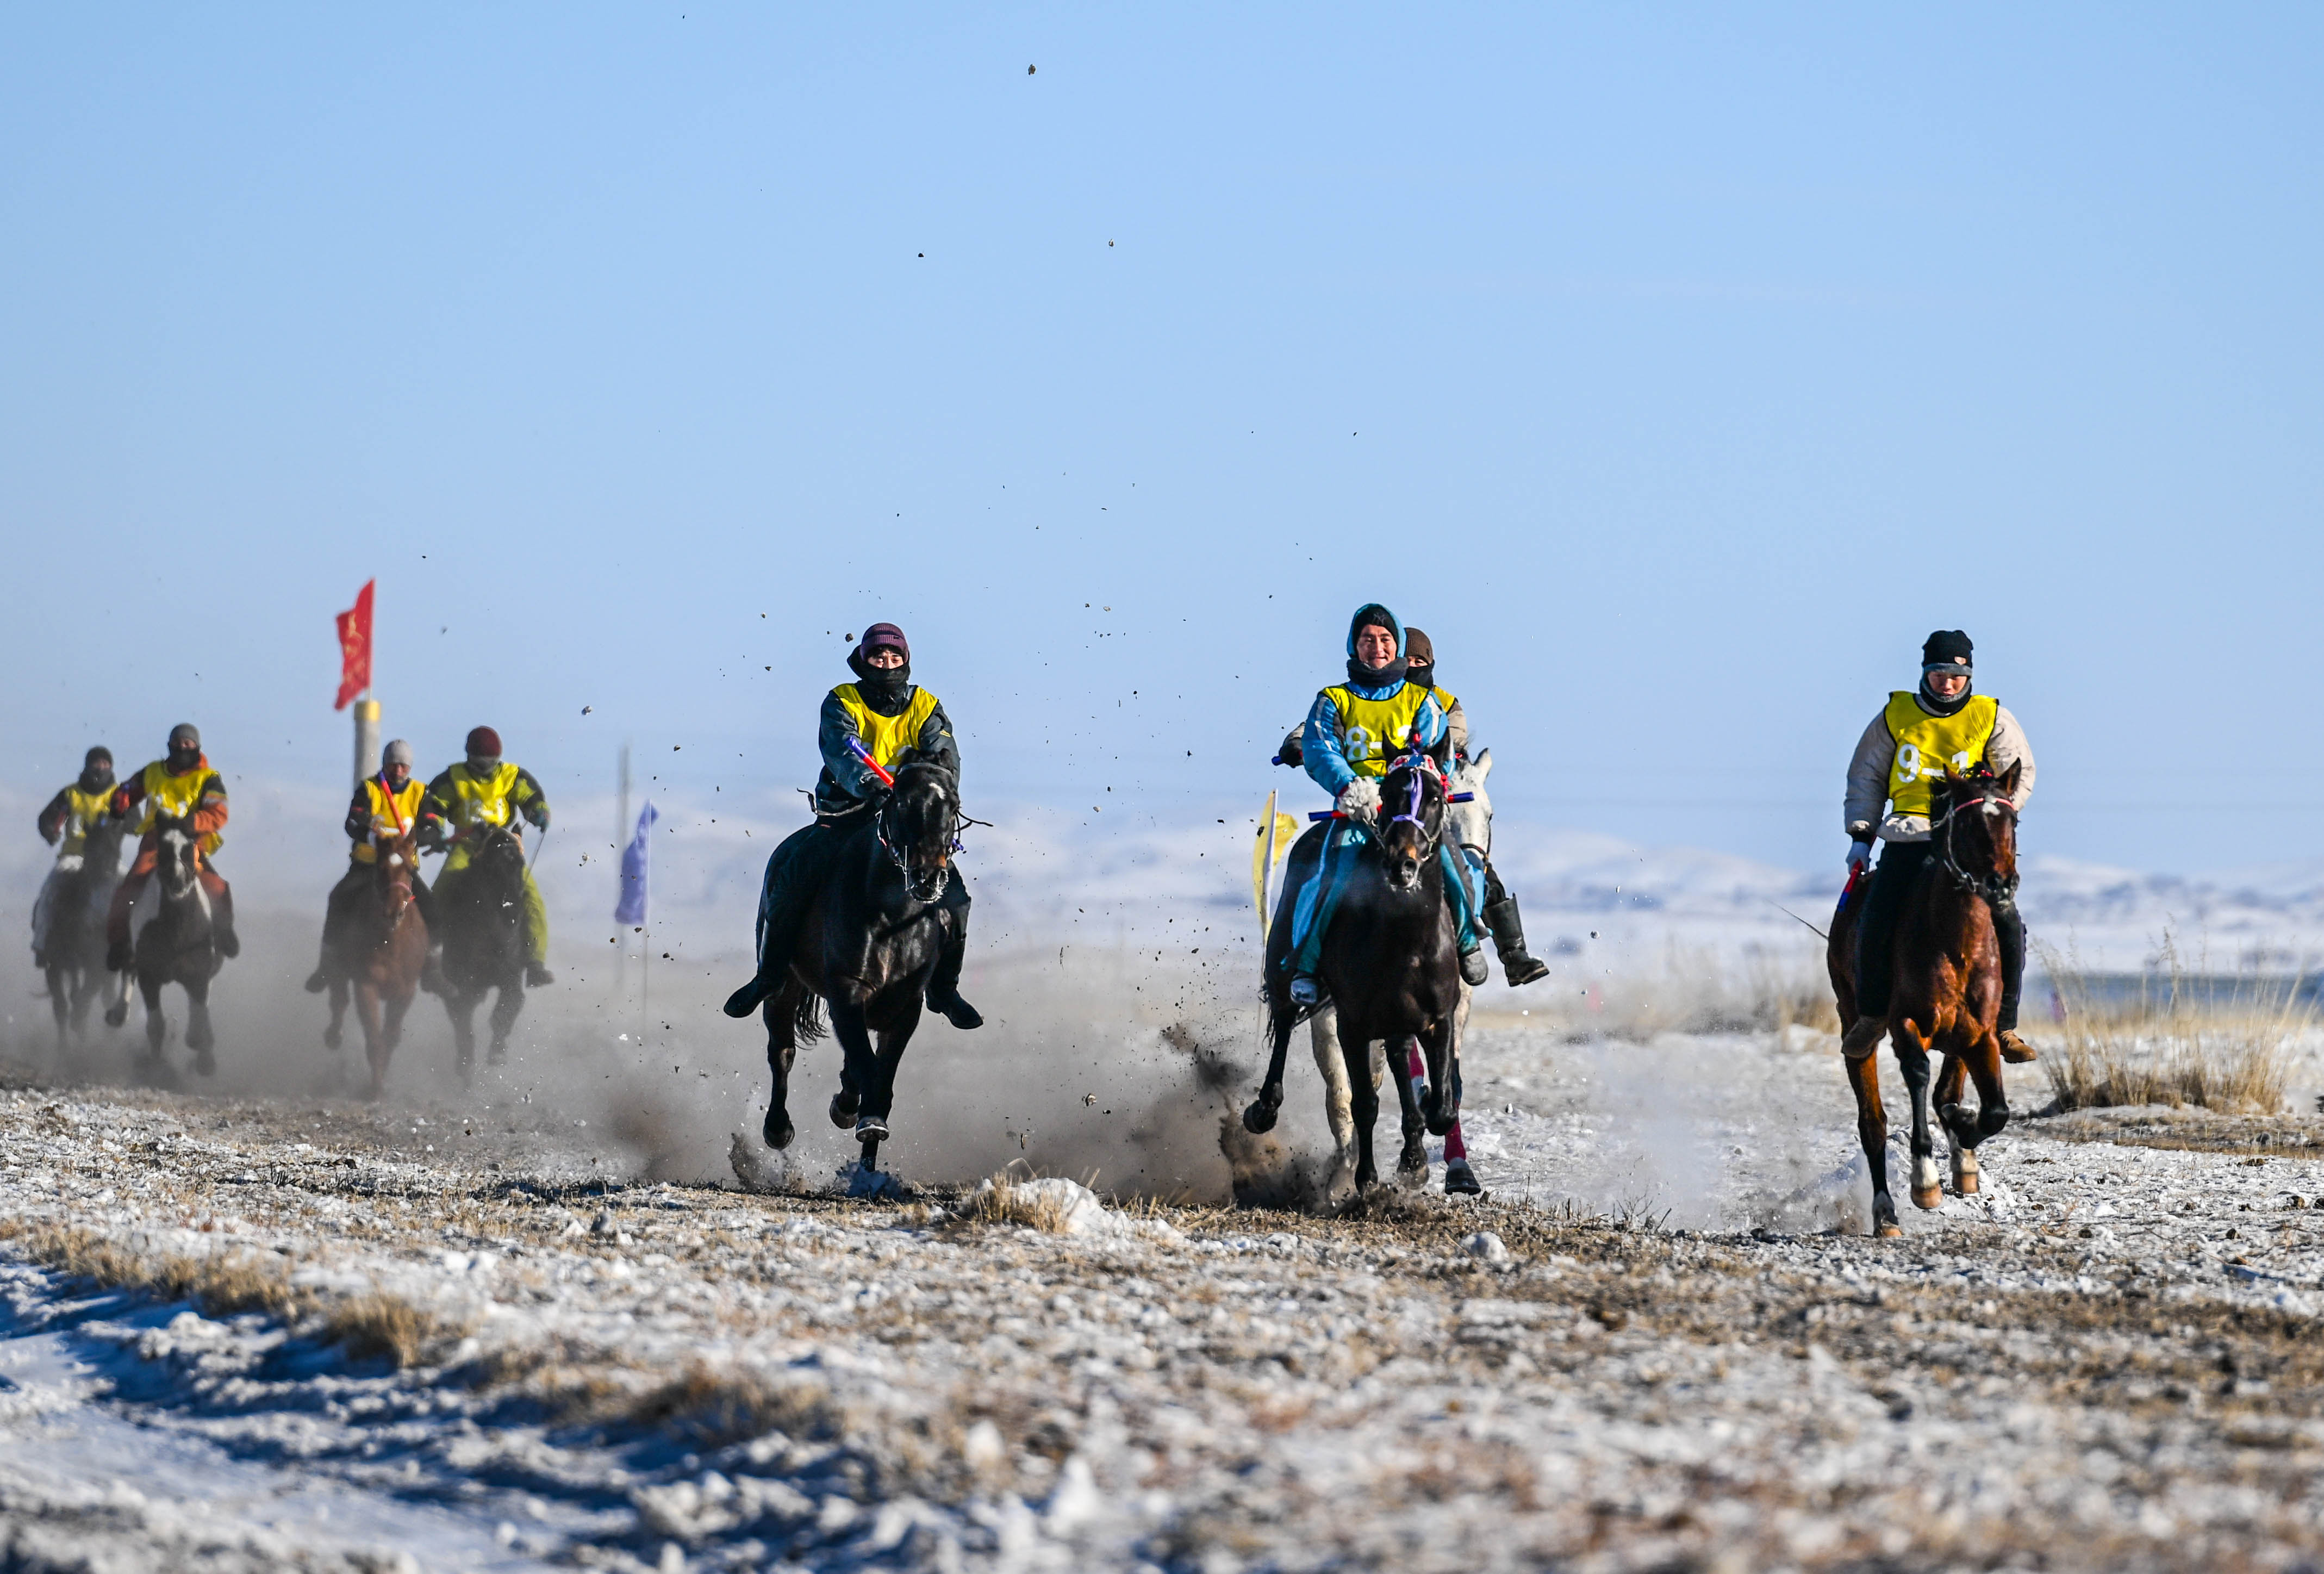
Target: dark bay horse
<point>378,956</point>
<point>76,941</point>
<point>1390,965</point>
<point>1947,993</point>
<point>866,951</point>
<point>483,916</point>
<point>175,942</point>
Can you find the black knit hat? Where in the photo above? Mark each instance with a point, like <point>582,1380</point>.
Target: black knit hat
<point>1948,647</point>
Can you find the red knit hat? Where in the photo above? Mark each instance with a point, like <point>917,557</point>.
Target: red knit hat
<point>484,743</point>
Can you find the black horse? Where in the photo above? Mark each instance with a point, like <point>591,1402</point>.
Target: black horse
<point>1390,963</point>
<point>176,944</point>
<point>867,950</point>
<point>74,947</point>
<point>483,919</point>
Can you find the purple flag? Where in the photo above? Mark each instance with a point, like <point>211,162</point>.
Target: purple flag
<point>632,907</point>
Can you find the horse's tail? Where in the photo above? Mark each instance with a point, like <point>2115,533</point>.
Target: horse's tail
<point>806,1017</point>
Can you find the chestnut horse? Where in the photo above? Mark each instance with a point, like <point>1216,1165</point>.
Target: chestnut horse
<point>379,955</point>
<point>1947,990</point>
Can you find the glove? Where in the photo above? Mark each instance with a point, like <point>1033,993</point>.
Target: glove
<point>1360,801</point>
<point>1858,854</point>
<point>538,813</point>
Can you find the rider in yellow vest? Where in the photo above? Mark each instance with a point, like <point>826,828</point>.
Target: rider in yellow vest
<point>385,808</point>
<point>486,791</point>
<point>1353,730</point>
<point>78,809</point>
<point>1899,761</point>
<point>897,723</point>
<point>180,785</point>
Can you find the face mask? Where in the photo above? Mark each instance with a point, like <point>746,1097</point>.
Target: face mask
<point>1387,677</point>
<point>96,778</point>
<point>1945,706</point>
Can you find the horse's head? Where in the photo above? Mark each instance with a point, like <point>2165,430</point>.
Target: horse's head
<point>177,855</point>
<point>396,861</point>
<point>917,824</point>
<point>1472,823</point>
<point>1978,828</point>
<point>1411,818</point>
<point>498,852</point>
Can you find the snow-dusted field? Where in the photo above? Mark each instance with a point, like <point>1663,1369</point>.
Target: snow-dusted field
<point>481,1339</point>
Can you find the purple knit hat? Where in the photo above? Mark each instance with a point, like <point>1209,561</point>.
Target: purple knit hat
<point>884,633</point>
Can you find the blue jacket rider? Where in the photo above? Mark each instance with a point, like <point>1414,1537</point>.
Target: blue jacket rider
<point>1353,730</point>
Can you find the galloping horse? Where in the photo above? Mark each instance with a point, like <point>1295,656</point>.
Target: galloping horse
<point>76,943</point>
<point>1947,992</point>
<point>866,951</point>
<point>1390,963</point>
<point>483,941</point>
<point>175,943</point>
<point>379,954</point>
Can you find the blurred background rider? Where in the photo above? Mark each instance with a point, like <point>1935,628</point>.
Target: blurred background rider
<point>179,785</point>
<point>385,807</point>
<point>65,824</point>
<point>481,793</point>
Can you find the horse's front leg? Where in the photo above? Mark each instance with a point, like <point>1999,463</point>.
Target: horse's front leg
<point>880,1097</point>
<point>1872,1132</point>
<point>1981,1060</point>
<point>1913,1062</point>
<point>157,1026</point>
<point>1444,1107</point>
<point>199,1037</point>
<point>335,1033</point>
<point>506,1008</point>
<point>778,1010</point>
<point>59,1003</point>
<point>1261,1116</point>
<point>858,1064</point>
<point>1363,1105</point>
<point>1411,1089</point>
<point>460,1004</point>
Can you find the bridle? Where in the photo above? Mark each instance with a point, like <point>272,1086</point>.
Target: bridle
<point>1997,892</point>
<point>1418,763</point>
<point>896,850</point>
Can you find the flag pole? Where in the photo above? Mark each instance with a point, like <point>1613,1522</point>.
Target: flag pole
<point>621,840</point>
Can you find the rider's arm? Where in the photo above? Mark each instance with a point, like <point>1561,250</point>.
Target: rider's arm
<point>435,808</point>
<point>1456,722</point>
<point>831,735</point>
<point>1294,747</point>
<point>936,743</point>
<point>359,827</point>
<point>52,819</point>
<point>210,809</point>
<point>2006,747</point>
<point>1867,780</point>
<point>530,800</point>
<point>1322,755</point>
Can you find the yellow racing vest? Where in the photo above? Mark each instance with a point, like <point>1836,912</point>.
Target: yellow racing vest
<point>888,738</point>
<point>82,813</point>
<point>482,800</point>
<point>1373,731</point>
<point>1926,745</point>
<point>176,797</point>
<point>392,814</point>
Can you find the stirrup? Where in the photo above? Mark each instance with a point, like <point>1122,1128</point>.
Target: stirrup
<point>1304,990</point>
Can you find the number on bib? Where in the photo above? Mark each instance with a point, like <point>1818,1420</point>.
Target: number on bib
<point>1908,763</point>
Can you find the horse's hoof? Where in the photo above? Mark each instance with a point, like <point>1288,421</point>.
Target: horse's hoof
<point>204,1066</point>
<point>114,1016</point>
<point>1928,1196</point>
<point>778,1130</point>
<point>871,1128</point>
<point>333,1038</point>
<point>1413,1160</point>
<point>1259,1118</point>
<point>497,1055</point>
<point>1460,1181</point>
<point>1439,1119</point>
<point>1889,1232</point>
<point>843,1109</point>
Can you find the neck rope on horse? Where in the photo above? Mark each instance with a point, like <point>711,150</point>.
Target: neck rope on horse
<point>1997,891</point>
<point>895,850</point>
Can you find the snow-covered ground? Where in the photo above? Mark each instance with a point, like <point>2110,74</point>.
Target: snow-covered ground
<point>1644,1351</point>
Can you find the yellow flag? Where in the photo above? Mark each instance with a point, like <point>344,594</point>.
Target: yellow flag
<point>1277,831</point>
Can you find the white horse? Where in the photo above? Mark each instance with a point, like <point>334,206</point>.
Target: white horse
<point>1471,825</point>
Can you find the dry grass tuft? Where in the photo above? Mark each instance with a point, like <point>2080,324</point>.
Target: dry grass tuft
<point>375,1326</point>
<point>2179,1049</point>
<point>222,1286</point>
<point>711,1408</point>
<point>1009,1202</point>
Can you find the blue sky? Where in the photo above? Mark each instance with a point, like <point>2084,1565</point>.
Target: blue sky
<point>1678,369</point>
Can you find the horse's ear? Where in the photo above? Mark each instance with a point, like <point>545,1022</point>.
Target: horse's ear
<point>1480,764</point>
<point>2012,776</point>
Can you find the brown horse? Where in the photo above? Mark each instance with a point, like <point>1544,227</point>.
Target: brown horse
<point>1946,991</point>
<point>379,956</point>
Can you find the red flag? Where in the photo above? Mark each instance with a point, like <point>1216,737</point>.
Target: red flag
<point>354,647</point>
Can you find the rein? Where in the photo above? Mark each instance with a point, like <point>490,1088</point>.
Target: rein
<point>896,852</point>
<point>1996,890</point>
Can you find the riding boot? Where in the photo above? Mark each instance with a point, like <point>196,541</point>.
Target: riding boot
<point>431,970</point>
<point>1508,939</point>
<point>795,872</point>
<point>221,895</point>
<point>2010,935</point>
<point>943,984</point>
<point>1473,970</point>
<point>1876,936</point>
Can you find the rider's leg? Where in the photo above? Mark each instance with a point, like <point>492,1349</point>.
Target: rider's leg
<point>1876,941</point>
<point>1313,916</point>
<point>795,872</point>
<point>1517,965</point>
<point>424,900</point>
<point>943,984</point>
<point>2009,934</point>
<point>1462,898</point>
<point>117,917</point>
<point>537,975</point>
<point>42,916</point>
<point>221,895</point>
<point>334,920</point>
<point>447,880</point>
